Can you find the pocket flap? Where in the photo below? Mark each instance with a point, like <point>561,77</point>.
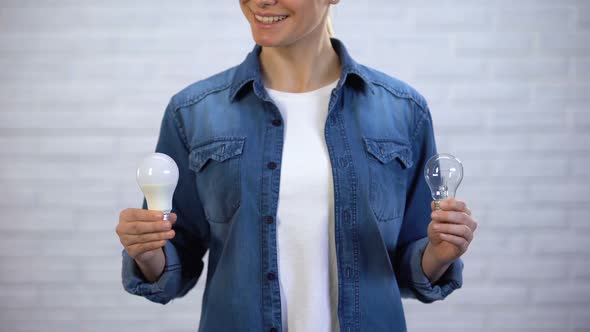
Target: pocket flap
<point>218,150</point>
<point>385,150</point>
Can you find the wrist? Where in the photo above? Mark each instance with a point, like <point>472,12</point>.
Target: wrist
<point>433,266</point>
<point>152,265</point>
<point>431,255</point>
<point>148,256</point>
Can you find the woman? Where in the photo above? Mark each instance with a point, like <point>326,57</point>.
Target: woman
<point>301,171</point>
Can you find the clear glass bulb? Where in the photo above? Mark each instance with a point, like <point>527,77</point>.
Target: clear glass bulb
<point>157,176</point>
<point>443,173</point>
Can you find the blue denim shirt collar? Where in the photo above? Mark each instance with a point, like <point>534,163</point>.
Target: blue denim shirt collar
<point>249,71</point>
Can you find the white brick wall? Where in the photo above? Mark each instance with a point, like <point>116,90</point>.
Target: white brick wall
<point>83,86</point>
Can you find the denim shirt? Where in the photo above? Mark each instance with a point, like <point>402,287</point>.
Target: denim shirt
<point>226,135</point>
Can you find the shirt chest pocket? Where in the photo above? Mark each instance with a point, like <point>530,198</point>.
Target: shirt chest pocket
<point>389,162</point>
<point>216,164</point>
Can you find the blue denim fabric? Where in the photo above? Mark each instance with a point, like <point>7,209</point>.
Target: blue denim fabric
<point>226,136</point>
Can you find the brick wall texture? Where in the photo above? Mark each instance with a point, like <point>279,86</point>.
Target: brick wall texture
<point>83,86</point>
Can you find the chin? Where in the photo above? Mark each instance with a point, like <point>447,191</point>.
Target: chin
<point>267,41</point>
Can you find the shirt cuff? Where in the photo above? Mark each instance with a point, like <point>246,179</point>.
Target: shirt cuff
<point>160,291</point>
<point>417,281</point>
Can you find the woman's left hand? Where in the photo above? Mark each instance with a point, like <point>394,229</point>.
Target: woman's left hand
<point>451,230</point>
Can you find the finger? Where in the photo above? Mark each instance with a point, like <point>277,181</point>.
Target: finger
<point>456,240</point>
<point>173,217</point>
<point>466,209</point>
<point>143,227</point>
<point>129,240</point>
<point>453,217</point>
<point>452,204</point>
<point>130,215</point>
<point>139,248</point>
<point>456,218</point>
<point>454,229</point>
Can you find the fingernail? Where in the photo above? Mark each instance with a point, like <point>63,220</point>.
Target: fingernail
<point>436,227</point>
<point>434,215</point>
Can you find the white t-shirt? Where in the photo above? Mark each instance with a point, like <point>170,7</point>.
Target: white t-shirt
<point>305,216</point>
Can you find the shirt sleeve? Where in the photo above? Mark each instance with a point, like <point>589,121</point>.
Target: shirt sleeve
<point>413,238</point>
<point>184,253</point>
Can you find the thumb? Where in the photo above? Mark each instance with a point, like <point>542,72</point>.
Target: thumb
<point>172,218</point>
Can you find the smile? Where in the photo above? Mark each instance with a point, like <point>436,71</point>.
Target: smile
<point>269,19</point>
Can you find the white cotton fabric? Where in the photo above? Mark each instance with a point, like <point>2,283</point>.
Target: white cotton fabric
<point>305,216</point>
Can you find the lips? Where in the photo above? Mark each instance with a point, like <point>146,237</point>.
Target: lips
<point>270,19</point>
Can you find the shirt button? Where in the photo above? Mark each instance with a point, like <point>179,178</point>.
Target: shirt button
<point>346,216</point>
<point>276,122</point>
<point>343,162</point>
<point>269,219</point>
<point>270,276</point>
<point>271,165</point>
<point>348,272</point>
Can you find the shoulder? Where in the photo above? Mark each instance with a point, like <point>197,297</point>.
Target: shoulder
<point>197,91</point>
<point>395,87</point>
<point>393,91</point>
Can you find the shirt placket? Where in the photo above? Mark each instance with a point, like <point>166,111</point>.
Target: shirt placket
<point>346,227</point>
<point>271,169</point>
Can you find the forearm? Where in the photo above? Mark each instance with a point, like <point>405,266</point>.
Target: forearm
<point>433,269</point>
<point>152,269</point>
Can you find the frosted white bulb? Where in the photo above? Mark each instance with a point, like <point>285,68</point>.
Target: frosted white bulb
<point>157,176</point>
<point>443,173</point>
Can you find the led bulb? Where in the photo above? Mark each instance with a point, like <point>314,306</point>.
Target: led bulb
<point>157,176</point>
<point>443,173</point>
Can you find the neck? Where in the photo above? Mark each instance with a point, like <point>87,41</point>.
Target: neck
<point>306,65</point>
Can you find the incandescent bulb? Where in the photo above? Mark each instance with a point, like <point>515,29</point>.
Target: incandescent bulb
<point>443,173</point>
<point>157,176</point>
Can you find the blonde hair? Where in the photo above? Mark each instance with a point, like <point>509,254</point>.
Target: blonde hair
<point>329,26</point>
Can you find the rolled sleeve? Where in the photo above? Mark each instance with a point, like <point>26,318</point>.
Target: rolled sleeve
<point>167,287</point>
<point>416,283</point>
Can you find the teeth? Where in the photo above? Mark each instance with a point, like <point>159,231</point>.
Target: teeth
<point>269,19</point>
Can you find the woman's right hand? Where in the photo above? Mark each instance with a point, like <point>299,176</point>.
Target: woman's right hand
<point>143,232</point>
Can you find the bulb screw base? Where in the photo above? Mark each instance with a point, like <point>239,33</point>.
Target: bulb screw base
<point>166,216</point>
<point>437,205</point>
